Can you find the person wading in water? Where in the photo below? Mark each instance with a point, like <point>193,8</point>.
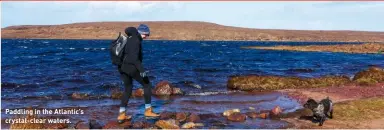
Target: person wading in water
<point>132,68</point>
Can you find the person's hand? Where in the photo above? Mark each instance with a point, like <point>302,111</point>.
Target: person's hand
<point>144,74</point>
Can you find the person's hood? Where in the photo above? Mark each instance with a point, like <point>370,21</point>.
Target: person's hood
<point>132,31</point>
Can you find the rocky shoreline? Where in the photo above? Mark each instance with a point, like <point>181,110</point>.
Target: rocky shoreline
<point>349,95</point>
<point>344,97</point>
<point>369,48</point>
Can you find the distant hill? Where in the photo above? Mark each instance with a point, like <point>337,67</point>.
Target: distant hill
<point>183,30</point>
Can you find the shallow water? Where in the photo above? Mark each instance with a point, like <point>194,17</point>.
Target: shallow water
<point>44,73</point>
<point>209,108</point>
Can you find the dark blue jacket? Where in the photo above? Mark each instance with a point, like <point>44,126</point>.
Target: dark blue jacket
<point>133,56</point>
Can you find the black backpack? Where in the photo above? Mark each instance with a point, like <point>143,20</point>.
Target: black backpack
<point>116,49</point>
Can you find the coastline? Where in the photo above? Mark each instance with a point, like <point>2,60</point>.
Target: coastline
<point>184,30</point>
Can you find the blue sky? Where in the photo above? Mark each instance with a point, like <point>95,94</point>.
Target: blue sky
<point>368,16</point>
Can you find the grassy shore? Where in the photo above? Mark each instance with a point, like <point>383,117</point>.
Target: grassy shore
<point>373,48</point>
<point>367,109</point>
<point>184,30</point>
<point>354,114</point>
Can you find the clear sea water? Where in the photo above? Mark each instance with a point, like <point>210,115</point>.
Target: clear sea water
<point>46,67</point>
<point>44,74</point>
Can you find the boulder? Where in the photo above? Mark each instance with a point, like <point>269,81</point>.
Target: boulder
<point>263,115</point>
<point>181,116</point>
<point>252,115</point>
<point>190,125</point>
<point>237,117</point>
<point>138,92</point>
<point>167,124</point>
<point>116,125</point>
<point>276,111</point>
<point>167,115</point>
<point>163,88</point>
<point>229,112</point>
<point>142,125</point>
<point>193,118</point>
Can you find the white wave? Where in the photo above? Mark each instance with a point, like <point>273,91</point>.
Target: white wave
<point>30,56</point>
<point>72,48</point>
<point>205,44</point>
<point>45,41</point>
<point>102,48</point>
<point>210,93</point>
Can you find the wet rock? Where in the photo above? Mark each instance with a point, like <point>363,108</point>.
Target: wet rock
<point>263,115</point>
<point>116,94</point>
<point>77,95</point>
<point>116,125</point>
<point>276,111</point>
<point>252,115</point>
<point>181,116</point>
<point>190,125</point>
<point>193,118</point>
<point>167,115</point>
<point>142,125</point>
<point>163,88</point>
<point>237,117</point>
<point>55,126</point>
<point>167,124</point>
<point>93,124</point>
<point>139,92</point>
<point>82,125</point>
<point>177,91</point>
<point>370,76</point>
<point>229,112</point>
